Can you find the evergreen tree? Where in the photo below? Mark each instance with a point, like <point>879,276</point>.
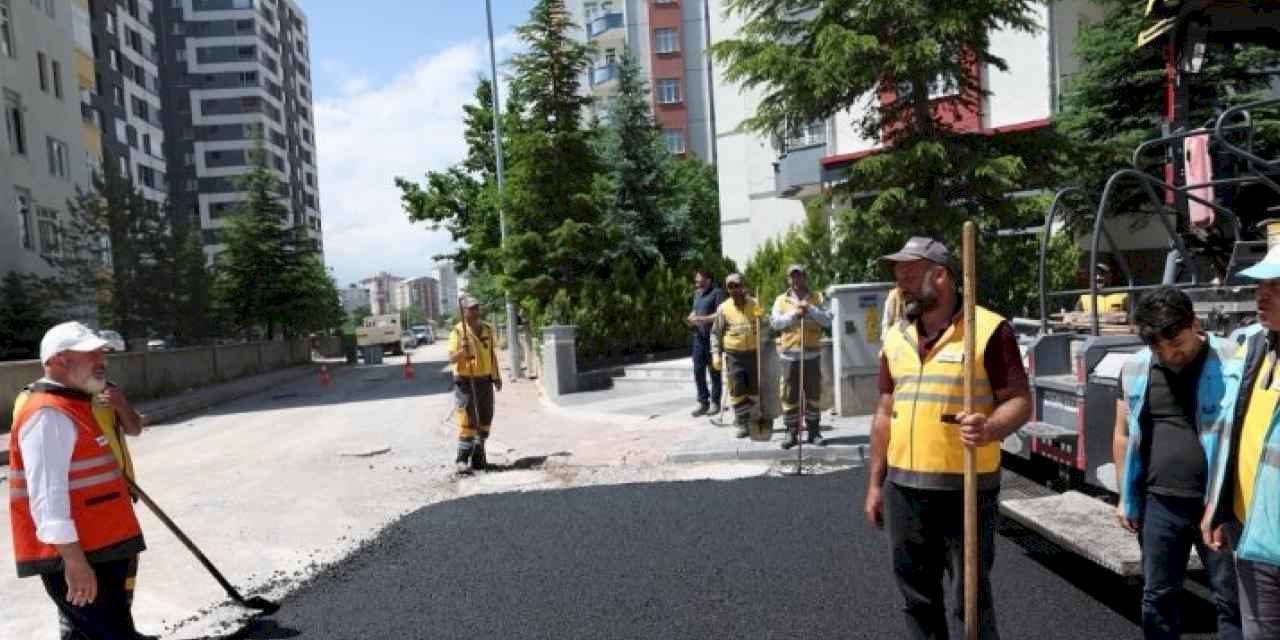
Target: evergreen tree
<point>23,320</point>
<point>812,59</point>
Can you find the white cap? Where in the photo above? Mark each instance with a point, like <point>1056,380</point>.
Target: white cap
<point>1266,269</point>
<point>69,336</point>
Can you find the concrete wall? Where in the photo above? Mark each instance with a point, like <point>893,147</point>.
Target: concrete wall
<point>147,375</point>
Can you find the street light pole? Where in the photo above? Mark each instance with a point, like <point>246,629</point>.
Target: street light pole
<point>513,347</point>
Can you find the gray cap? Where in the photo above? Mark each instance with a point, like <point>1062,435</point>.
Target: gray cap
<point>920,248</point>
<point>468,302</point>
<point>795,266</point>
<point>733,278</point>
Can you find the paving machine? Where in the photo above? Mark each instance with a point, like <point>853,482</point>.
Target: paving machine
<point>1204,188</point>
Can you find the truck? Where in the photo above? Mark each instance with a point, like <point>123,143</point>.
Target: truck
<point>1208,223</point>
<point>381,330</point>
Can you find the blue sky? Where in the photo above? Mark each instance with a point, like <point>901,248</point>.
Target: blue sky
<point>389,81</point>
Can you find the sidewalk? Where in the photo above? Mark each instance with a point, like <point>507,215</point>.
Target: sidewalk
<point>164,409</point>
<point>660,413</point>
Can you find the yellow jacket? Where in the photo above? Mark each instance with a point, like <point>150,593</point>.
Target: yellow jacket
<point>735,327</point>
<point>786,322</point>
<point>482,344</point>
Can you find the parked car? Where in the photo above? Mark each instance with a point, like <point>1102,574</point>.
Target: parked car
<point>408,342</point>
<point>423,333</point>
<point>115,342</point>
<point>156,344</point>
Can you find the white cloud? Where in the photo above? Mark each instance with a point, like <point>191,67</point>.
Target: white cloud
<point>368,135</point>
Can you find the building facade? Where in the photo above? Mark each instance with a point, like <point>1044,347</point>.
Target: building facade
<point>447,277</point>
<point>668,38</point>
<point>763,192</point>
<point>42,156</point>
<point>353,297</point>
<point>382,292</point>
<point>236,75</point>
<point>421,293</point>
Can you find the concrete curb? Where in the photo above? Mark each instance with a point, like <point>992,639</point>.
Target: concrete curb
<point>841,454</point>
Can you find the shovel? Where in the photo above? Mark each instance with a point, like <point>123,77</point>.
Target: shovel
<point>256,602</point>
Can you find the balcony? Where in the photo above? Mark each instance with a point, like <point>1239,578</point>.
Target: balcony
<point>607,29</point>
<point>797,173</point>
<point>604,80</point>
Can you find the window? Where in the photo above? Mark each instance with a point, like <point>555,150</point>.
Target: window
<point>147,175</point>
<point>111,22</point>
<point>141,109</point>
<point>49,8</point>
<point>674,139</point>
<point>50,233</point>
<point>177,28</point>
<point>248,78</point>
<point>146,143</point>
<point>14,123</point>
<point>24,217</point>
<point>180,55</point>
<point>117,95</point>
<point>58,158</point>
<point>6,30</point>
<point>668,90</point>
<point>665,41</point>
<point>42,70</point>
<point>115,59</point>
<point>188,159</point>
<point>56,67</point>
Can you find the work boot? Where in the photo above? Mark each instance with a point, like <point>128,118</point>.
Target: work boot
<point>701,410</point>
<point>714,410</point>
<point>792,439</point>
<point>462,469</point>
<point>744,429</point>
<point>815,436</point>
<point>478,460</point>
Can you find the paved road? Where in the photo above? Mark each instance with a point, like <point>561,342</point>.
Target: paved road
<point>766,557</point>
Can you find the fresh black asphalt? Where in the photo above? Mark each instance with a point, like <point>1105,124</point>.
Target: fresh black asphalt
<point>768,557</point>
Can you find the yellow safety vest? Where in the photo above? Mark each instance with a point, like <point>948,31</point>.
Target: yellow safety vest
<point>1107,303</point>
<point>924,451</point>
<point>739,325</point>
<point>789,339</point>
<point>106,418</point>
<point>482,345</point>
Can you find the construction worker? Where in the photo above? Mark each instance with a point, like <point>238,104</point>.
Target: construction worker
<point>1107,302</point>
<point>798,318</point>
<point>117,418</point>
<point>475,376</point>
<point>733,345</point>
<point>73,522</point>
<point>1244,484</point>
<point>915,489</point>
<point>1176,397</point>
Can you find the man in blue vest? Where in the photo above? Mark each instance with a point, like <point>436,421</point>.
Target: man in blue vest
<point>1242,512</point>
<point>1176,396</point>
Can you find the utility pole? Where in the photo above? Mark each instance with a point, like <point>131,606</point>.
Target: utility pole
<point>513,347</point>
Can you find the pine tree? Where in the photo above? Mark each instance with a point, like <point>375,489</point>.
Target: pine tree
<point>23,320</point>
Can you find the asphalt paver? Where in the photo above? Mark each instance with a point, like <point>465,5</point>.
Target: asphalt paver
<point>764,557</point>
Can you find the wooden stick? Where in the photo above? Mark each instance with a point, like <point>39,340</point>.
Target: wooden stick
<point>970,465</point>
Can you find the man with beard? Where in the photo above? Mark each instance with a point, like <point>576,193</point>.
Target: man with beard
<point>799,319</point>
<point>73,522</point>
<point>919,433</point>
<point>707,297</point>
<point>735,334</point>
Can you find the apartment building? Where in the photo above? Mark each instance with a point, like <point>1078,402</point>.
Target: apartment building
<point>236,74</point>
<point>447,277</point>
<point>382,292</point>
<point>668,38</point>
<point>353,297</point>
<point>118,78</point>
<point>421,293</point>
<point>764,189</point>
<point>42,157</point>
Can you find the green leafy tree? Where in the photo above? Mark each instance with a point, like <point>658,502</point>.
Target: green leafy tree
<point>811,59</point>
<point>23,319</point>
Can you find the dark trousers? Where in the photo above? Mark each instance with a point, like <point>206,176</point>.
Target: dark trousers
<point>744,385</point>
<point>1170,528</point>
<point>926,534</point>
<point>1259,599</point>
<point>791,393</point>
<point>108,616</point>
<point>702,370</point>
<point>67,631</point>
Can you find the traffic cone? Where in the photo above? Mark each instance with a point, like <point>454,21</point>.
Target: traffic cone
<point>408,367</point>
<point>325,380</point>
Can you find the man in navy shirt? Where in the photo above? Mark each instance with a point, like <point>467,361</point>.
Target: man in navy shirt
<point>706,299</point>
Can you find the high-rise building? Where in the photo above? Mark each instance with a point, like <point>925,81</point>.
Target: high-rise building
<point>42,154</point>
<point>447,276</point>
<point>382,292</point>
<point>353,297</point>
<point>117,68</point>
<point>668,38</point>
<point>421,293</point>
<point>237,74</point>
